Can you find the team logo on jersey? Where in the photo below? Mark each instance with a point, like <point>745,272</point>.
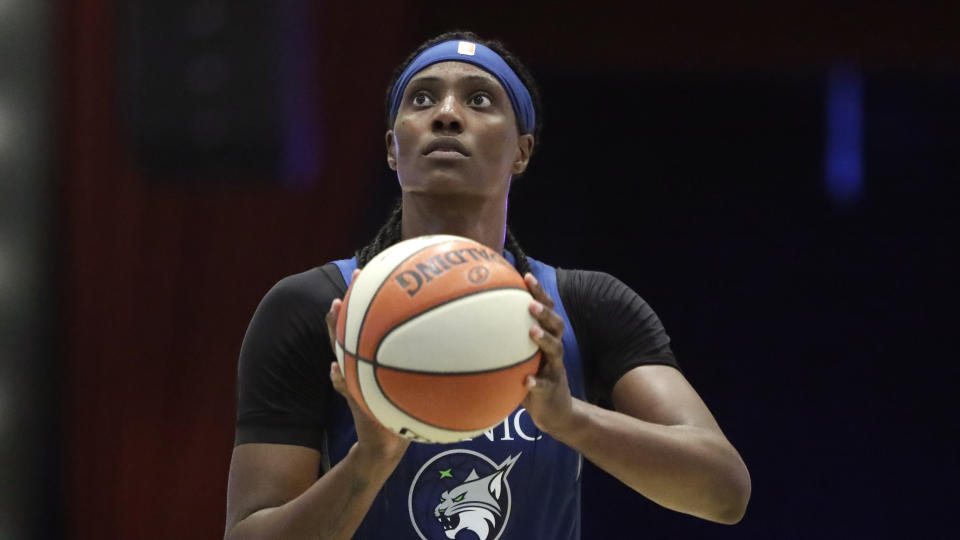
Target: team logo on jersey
<point>461,490</point>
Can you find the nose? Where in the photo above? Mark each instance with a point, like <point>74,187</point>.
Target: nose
<point>449,116</point>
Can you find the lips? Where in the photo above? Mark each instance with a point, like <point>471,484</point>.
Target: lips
<point>445,144</point>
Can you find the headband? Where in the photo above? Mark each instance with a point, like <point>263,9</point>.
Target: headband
<point>480,56</point>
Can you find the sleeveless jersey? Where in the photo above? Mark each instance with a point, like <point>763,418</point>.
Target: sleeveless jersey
<point>510,483</point>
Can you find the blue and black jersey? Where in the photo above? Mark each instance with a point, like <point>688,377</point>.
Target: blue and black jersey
<point>512,482</point>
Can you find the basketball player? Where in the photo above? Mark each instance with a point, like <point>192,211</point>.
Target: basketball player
<point>462,123</point>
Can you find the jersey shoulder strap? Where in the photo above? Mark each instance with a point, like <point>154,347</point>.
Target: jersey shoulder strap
<point>346,267</point>
<point>547,276</point>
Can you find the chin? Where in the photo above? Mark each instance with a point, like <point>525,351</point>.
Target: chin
<point>443,183</point>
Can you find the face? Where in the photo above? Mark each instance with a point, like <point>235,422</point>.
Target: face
<point>456,133</point>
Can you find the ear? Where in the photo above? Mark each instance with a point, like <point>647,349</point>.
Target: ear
<point>524,151</point>
<point>391,151</point>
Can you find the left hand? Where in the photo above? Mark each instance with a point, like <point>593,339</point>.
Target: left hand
<point>548,402</point>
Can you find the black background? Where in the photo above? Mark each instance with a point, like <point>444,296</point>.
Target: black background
<point>683,152</point>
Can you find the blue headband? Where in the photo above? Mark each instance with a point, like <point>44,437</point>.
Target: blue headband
<point>480,56</point>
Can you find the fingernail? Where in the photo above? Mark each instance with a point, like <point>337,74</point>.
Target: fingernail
<point>537,332</point>
<point>537,307</point>
<point>534,278</point>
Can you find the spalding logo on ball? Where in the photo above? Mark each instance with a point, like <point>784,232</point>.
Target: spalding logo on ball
<point>433,338</point>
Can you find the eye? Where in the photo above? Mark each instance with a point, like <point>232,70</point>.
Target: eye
<point>459,497</point>
<point>442,499</point>
<point>480,100</point>
<point>422,100</point>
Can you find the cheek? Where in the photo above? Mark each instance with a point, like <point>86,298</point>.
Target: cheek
<point>501,146</point>
<point>403,140</point>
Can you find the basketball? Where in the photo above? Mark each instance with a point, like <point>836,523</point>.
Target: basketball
<point>433,338</point>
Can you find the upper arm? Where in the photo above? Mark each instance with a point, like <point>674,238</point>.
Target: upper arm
<point>616,330</point>
<point>283,396</point>
<point>628,352</point>
<point>267,476</point>
<point>662,395</point>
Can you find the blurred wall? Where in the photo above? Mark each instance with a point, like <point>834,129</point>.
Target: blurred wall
<point>724,106</point>
<point>28,276</point>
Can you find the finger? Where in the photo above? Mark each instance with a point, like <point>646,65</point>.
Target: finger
<point>538,385</point>
<point>551,346</point>
<point>339,382</point>
<point>332,320</point>
<point>537,290</point>
<point>548,318</point>
<point>353,277</point>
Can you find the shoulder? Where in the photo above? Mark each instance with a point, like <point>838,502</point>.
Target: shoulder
<point>593,287</point>
<point>598,298</point>
<point>293,310</point>
<point>580,279</point>
<point>616,329</point>
<point>306,292</point>
<point>317,285</point>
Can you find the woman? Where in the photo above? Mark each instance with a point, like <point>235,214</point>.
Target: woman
<point>462,123</point>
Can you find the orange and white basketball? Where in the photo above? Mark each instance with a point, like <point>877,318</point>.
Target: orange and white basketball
<point>433,338</point>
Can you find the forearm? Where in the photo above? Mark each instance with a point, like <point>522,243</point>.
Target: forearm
<point>685,468</point>
<point>331,508</point>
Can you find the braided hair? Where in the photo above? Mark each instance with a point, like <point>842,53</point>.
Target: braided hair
<point>389,233</point>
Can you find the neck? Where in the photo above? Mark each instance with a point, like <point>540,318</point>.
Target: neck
<point>480,219</point>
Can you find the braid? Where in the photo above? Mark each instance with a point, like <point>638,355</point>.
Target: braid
<point>388,235</point>
<point>522,264</point>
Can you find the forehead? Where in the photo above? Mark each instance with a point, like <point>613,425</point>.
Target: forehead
<point>451,71</point>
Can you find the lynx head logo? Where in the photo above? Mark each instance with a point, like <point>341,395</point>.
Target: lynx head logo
<point>461,490</point>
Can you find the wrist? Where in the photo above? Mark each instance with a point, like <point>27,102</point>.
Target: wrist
<point>379,458</point>
<point>570,425</point>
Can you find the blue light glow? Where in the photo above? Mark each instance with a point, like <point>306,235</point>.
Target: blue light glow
<point>844,140</point>
<point>298,63</point>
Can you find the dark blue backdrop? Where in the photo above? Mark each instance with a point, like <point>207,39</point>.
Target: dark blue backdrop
<point>817,332</point>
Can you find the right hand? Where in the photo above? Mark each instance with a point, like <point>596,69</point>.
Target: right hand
<point>373,440</point>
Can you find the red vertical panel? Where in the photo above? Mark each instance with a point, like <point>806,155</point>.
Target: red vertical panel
<point>161,280</point>
<point>91,456</point>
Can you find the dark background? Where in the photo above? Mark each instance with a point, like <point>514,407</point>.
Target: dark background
<point>202,150</point>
